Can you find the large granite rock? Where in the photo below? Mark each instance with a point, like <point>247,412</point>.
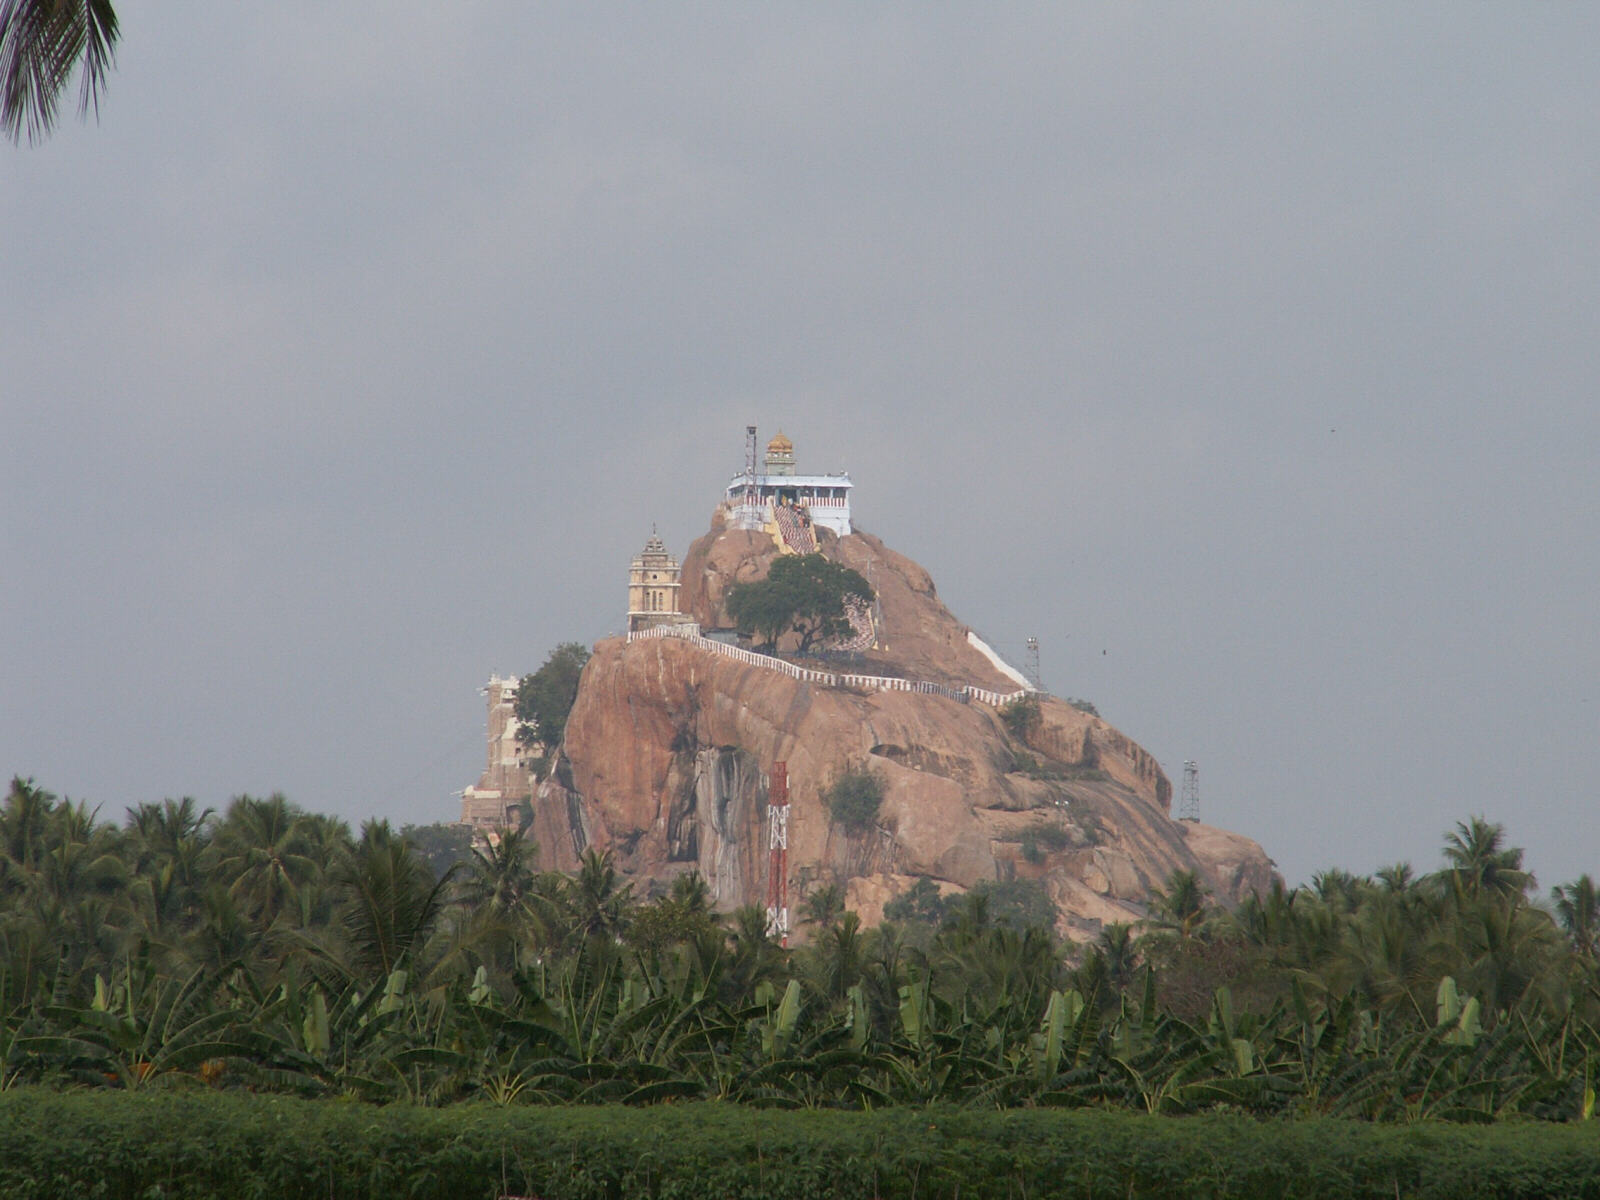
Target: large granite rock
<point>668,744</point>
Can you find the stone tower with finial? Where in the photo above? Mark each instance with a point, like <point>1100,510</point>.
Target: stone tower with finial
<point>653,580</point>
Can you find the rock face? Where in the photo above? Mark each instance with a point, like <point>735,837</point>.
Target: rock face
<point>668,742</point>
<point>920,638</point>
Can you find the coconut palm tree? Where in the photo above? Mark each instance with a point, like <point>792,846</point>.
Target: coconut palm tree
<point>1397,878</point>
<point>42,44</point>
<point>76,891</point>
<point>1339,890</point>
<point>823,907</point>
<point>598,902</point>
<point>266,856</point>
<point>754,956</point>
<point>390,900</point>
<point>1181,905</point>
<point>501,902</point>
<point>1505,952</point>
<point>1386,952</point>
<point>23,824</point>
<point>167,845</point>
<point>500,874</point>
<point>1578,911</point>
<point>833,963</point>
<point>1480,861</point>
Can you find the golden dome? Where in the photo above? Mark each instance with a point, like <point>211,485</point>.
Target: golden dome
<point>780,445</point>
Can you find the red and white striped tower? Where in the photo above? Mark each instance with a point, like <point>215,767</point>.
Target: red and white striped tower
<point>778,853</point>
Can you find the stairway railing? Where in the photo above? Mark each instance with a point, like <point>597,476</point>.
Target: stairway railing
<point>689,632</point>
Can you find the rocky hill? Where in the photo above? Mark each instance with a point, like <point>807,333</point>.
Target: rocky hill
<point>667,744</point>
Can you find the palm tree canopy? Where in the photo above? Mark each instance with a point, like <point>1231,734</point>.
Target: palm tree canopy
<point>501,873</point>
<point>1578,910</point>
<point>42,43</point>
<point>391,899</point>
<point>1479,860</point>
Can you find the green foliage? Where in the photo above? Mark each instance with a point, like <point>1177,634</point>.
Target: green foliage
<point>268,951</point>
<point>1083,706</point>
<point>854,799</point>
<point>803,593</point>
<point>1044,839</point>
<point>1016,904</point>
<point>921,904</point>
<point>202,1145</point>
<point>1022,717</point>
<point>1577,908</point>
<point>1026,764</point>
<point>442,845</point>
<point>544,698</point>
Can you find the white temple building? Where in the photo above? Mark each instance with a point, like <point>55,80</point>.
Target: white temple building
<point>753,497</point>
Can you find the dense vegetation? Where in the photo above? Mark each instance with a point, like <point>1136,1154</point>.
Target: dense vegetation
<point>270,948</point>
<point>140,1145</point>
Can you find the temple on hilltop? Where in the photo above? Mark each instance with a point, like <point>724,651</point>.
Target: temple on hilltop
<point>757,499</point>
<point>787,507</point>
<point>767,497</point>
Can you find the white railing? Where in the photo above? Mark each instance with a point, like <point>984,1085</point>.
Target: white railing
<point>875,683</point>
<point>688,629</point>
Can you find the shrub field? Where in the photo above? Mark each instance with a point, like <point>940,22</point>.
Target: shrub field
<point>143,1146</point>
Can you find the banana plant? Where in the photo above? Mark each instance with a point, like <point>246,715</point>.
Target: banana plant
<point>140,1029</point>
<point>1048,1046</point>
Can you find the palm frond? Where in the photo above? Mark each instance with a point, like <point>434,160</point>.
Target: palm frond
<point>42,42</point>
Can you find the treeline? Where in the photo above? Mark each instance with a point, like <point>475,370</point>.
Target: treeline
<point>270,949</point>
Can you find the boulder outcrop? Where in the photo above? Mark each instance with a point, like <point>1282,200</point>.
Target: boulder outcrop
<point>668,744</point>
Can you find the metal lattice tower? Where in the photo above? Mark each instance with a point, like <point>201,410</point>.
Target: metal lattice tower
<point>1033,664</point>
<point>778,853</point>
<point>749,464</point>
<point>1189,800</point>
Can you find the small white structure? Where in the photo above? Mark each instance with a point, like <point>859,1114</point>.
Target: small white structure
<point>753,497</point>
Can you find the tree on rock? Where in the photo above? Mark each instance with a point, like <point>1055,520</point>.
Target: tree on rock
<point>545,698</point>
<point>805,593</point>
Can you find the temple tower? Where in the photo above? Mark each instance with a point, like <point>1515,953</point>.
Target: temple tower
<point>653,579</point>
<point>780,456</point>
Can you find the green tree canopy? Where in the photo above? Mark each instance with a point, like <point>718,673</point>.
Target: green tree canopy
<point>805,593</point>
<point>854,799</point>
<point>545,698</point>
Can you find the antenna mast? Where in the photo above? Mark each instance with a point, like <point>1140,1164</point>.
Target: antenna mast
<point>1189,802</point>
<point>1033,664</point>
<point>778,853</point>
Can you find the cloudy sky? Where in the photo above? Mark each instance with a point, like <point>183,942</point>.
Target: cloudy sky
<point>1245,355</point>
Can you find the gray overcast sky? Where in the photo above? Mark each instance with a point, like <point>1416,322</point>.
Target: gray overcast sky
<point>1246,355</point>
